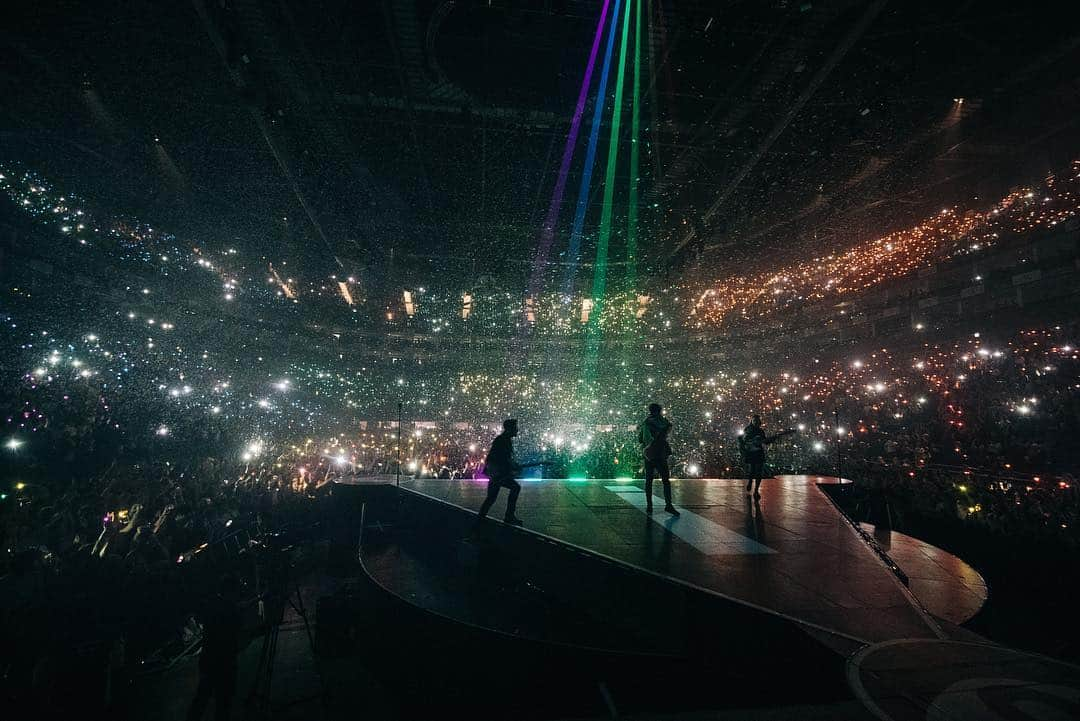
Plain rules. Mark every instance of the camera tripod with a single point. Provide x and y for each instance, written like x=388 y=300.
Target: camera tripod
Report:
x=259 y=701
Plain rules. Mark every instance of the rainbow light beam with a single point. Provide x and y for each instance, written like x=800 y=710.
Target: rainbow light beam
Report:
x=590 y=155
x=630 y=278
x=630 y=282
x=547 y=232
x=599 y=289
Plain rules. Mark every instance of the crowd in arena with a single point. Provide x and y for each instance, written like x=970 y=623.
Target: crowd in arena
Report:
x=440 y=305
x=969 y=423
x=191 y=404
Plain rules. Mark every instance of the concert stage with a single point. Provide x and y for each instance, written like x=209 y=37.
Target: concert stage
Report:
x=720 y=603
x=790 y=553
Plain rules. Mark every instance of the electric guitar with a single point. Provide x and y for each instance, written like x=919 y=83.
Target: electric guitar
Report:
x=534 y=464
x=658 y=449
x=768 y=439
x=518 y=467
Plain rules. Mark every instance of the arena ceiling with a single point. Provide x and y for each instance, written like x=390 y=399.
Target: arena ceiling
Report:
x=395 y=133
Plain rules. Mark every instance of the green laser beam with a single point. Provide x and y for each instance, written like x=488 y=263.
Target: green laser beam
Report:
x=635 y=148
x=599 y=290
x=627 y=313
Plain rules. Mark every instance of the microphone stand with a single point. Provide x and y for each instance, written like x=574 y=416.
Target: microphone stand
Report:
x=398 y=480
x=836 y=425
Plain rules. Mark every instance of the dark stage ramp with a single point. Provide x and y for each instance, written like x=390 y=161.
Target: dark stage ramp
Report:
x=595 y=607
x=790 y=553
x=444 y=596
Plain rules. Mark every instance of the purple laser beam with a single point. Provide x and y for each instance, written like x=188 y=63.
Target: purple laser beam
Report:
x=547 y=232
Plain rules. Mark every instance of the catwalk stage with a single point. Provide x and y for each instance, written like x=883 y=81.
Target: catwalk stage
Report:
x=790 y=552
x=861 y=623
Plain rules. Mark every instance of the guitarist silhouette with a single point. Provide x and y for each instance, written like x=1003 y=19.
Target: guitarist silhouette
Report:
x=752 y=444
x=653 y=437
x=501 y=467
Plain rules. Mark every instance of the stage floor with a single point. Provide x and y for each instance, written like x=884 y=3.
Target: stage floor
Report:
x=945 y=585
x=791 y=552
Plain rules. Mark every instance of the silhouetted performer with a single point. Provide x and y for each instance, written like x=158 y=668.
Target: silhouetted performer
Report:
x=652 y=435
x=501 y=468
x=752 y=445
x=220 y=643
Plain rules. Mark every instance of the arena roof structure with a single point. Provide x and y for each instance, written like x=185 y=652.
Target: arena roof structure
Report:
x=364 y=135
